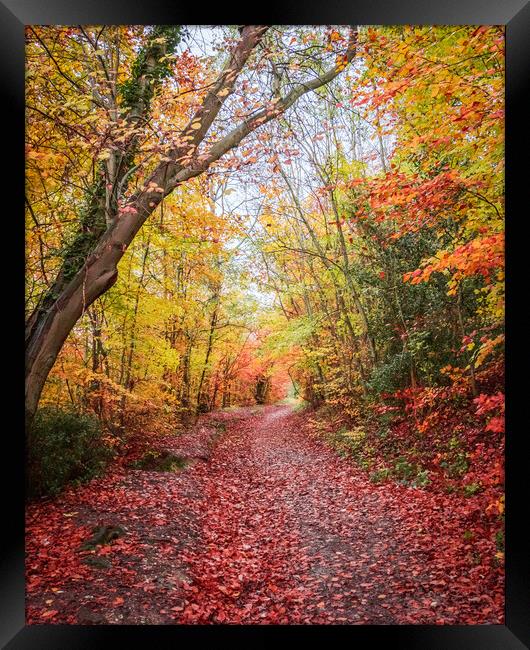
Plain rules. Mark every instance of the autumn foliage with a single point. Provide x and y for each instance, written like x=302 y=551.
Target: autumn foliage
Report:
x=347 y=254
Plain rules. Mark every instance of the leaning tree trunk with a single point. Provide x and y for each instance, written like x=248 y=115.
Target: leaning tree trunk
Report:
x=46 y=340
x=100 y=271
x=71 y=293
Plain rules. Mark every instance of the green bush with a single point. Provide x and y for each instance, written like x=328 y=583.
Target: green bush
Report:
x=499 y=540
x=404 y=470
x=63 y=446
x=458 y=467
x=384 y=433
x=392 y=375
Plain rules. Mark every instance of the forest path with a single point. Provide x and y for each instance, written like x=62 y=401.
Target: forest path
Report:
x=286 y=536
x=293 y=533
x=275 y=527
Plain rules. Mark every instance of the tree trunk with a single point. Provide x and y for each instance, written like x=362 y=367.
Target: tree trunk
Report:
x=202 y=401
x=64 y=302
x=46 y=340
x=261 y=392
x=185 y=388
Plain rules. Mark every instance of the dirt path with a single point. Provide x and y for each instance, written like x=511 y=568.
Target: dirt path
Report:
x=274 y=528
x=292 y=533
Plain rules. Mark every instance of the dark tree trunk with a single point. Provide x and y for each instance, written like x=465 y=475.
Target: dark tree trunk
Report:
x=261 y=392
x=202 y=400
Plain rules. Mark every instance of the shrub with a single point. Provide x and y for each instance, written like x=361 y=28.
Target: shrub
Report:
x=63 y=446
x=458 y=467
x=301 y=405
x=499 y=540
x=353 y=439
x=392 y=375
x=403 y=470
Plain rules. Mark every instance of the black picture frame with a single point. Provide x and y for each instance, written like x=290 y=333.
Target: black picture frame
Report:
x=515 y=15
